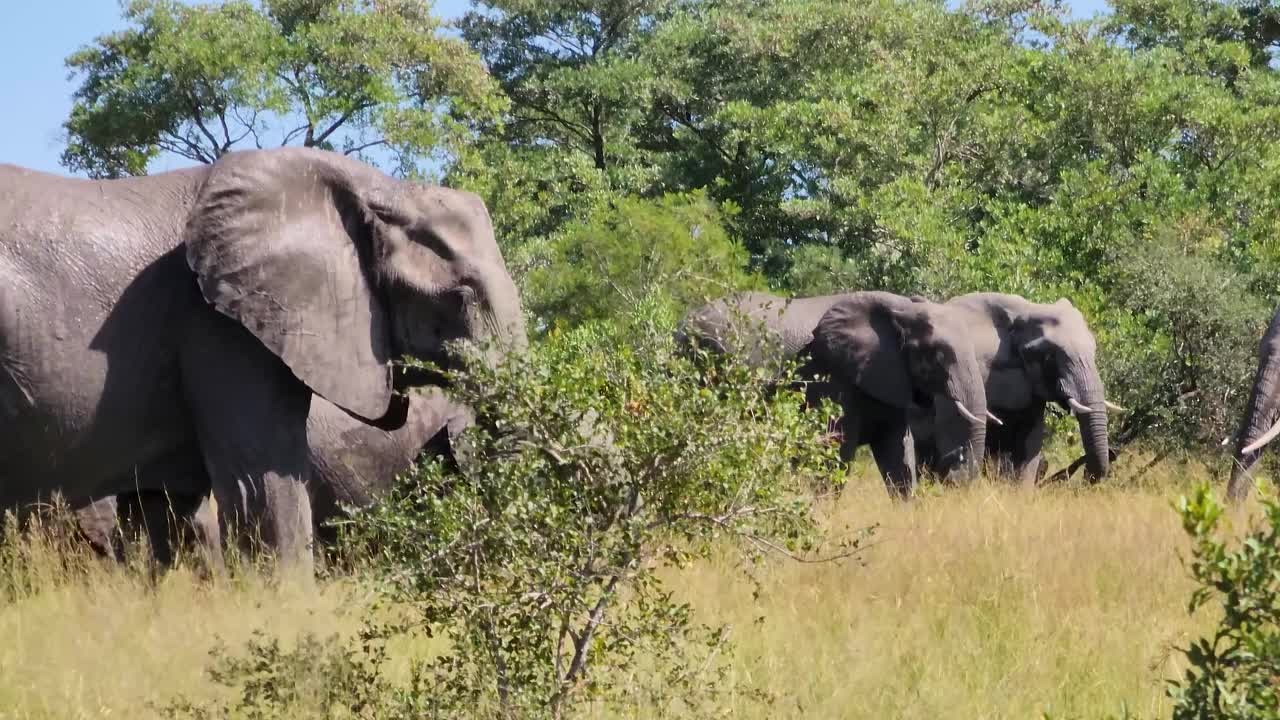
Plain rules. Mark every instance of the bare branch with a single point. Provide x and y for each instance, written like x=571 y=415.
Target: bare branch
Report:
x=289 y=136
x=199 y=123
x=365 y=146
x=340 y=121
x=723 y=522
x=226 y=134
x=187 y=148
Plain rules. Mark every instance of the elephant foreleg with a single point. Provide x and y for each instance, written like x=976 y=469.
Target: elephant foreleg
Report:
x=1028 y=455
x=250 y=417
x=894 y=451
x=850 y=424
x=97 y=522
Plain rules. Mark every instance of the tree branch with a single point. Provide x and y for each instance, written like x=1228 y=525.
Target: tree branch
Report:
x=365 y=146
x=180 y=145
x=226 y=133
x=339 y=122
x=199 y=123
x=294 y=133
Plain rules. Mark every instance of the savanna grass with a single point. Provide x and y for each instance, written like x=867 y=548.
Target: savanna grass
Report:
x=978 y=602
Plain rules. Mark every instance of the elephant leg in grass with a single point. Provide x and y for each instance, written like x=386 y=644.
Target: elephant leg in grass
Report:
x=867 y=421
x=251 y=423
x=895 y=455
x=170 y=520
x=1018 y=446
x=174 y=524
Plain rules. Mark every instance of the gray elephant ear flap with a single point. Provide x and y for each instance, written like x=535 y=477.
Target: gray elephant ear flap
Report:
x=912 y=323
x=281 y=242
x=862 y=345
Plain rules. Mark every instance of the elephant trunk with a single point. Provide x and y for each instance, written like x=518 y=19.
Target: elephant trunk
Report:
x=502 y=322
x=969 y=395
x=1087 y=400
x=1262 y=412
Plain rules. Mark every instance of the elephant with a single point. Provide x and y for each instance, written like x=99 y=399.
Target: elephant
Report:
x=197 y=312
x=887 y=355
x=1261 y=421
x=352 y=463
x=764 y=330
x=1031 y=354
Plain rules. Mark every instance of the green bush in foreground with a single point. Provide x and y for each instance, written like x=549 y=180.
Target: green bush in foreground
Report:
x=1235 y=673
x=598 y=458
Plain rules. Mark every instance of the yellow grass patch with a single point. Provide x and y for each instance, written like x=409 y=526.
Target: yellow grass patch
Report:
x=985 y=602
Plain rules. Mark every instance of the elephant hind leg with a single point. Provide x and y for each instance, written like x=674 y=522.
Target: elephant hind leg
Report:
x=174 y=524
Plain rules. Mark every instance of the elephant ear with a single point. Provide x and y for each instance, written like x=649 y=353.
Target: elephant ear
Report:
x=280 y=241
x=865 y=344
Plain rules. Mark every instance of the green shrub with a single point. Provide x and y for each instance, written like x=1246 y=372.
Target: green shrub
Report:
x=1235 y=672
x=599 y=457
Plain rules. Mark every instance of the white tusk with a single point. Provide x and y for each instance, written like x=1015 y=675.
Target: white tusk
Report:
x=1113 y=407
x=1267 y=437
x=968 y=415
x=994 y=419
x=1079 y=407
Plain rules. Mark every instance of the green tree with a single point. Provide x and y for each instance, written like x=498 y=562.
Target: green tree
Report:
x=628 y=249
x=571 y=72
x=198 y=80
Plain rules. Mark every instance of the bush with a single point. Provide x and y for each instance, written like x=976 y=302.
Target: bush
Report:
x=598 y=458
x=1234 y=673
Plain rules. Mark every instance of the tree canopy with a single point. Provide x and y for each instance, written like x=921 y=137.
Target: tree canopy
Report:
x=198 y=80
x=1130 y=163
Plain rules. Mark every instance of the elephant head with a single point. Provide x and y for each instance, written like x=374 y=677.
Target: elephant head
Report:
x=1057 y=352
x=339 y=269
x=908 y=353
x=1261 y=422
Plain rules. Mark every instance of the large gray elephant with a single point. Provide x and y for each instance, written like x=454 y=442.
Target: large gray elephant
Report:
x=764 y=330
x=1032 y=354
x=1261 y=422
x=767 y=329
x=352 y=464
x=887 y=355
x=196 y=313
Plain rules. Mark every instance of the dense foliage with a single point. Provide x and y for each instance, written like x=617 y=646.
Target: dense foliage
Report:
x=1130 y=163
x=1232 y=672
x=374 y=79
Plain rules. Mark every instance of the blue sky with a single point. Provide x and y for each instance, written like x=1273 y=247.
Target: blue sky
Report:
x=34 y=91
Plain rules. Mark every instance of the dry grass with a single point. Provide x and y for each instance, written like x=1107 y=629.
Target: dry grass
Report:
x=979 y=603
x=987 y=602
x=89 y=639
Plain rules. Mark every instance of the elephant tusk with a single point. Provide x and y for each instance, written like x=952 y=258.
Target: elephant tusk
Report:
x=1267 y=437
x=1113 y=407
x=1079 y=407
x=994 y=419
x=968 y=415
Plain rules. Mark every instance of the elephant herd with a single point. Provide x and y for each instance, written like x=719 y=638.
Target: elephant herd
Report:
x=927 y=385
x=207 y=354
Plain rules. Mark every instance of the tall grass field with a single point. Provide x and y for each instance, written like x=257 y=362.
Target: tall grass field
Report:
x=982 y=602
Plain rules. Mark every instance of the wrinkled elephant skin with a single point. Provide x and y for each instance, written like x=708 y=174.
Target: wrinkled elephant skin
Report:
x=204 y=309
x=1031 y=355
